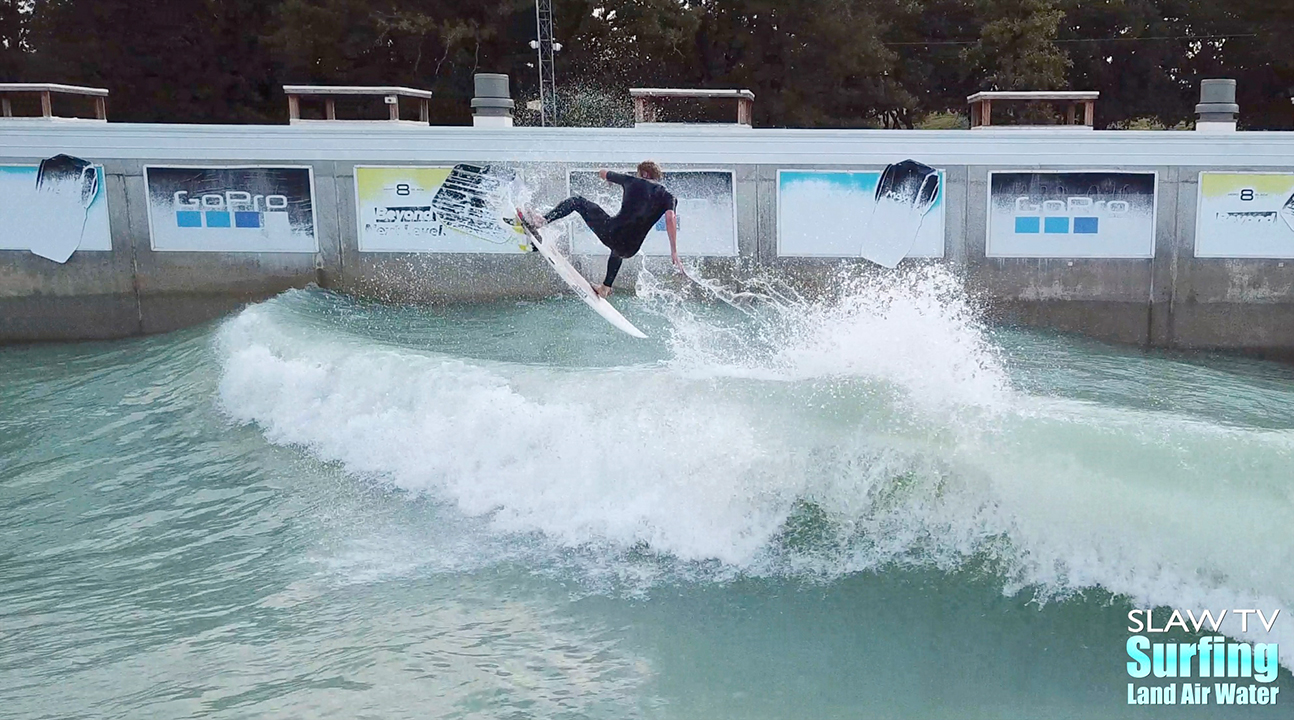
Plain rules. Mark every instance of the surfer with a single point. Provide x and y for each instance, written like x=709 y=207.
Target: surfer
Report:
x=644 y=201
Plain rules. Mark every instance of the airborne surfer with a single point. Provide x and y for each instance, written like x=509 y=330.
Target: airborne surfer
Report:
x=645 y=201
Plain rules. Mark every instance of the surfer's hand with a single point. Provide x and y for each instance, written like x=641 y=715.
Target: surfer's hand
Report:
x=678 y=264
x=602 y=174
x=602 y=290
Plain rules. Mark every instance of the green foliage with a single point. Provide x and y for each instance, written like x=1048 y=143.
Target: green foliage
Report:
x=436 y=45
x=944 y=121
x=197 y=61
x=1016 y=48
x=583 y=105
x=13 y=31
x=615 y=45
x=1149 y=123
x=811 y=63
x=928 y=66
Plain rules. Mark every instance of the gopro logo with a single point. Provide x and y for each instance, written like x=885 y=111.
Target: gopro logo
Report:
x=231 y=209
x=1074 y=216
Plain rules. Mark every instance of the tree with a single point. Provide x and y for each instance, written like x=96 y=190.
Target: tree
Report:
x=13 y=40
x=200 y=61
x=926 y=38
x=609 y=47
x=1016 y=48
x=1251 y=45
x=430 y=44
x=1127 y=50
x=812 y=62
x=1150 y=56
x=627 y=43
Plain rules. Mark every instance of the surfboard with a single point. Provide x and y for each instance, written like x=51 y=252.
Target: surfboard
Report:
x=572 y=277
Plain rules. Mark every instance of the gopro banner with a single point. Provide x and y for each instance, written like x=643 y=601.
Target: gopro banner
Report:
x=1071 y=214
x=462 y=209
x=881 y=215
x=707 y=219
x=54 y=209
x=231 y=209
x=1245 y=215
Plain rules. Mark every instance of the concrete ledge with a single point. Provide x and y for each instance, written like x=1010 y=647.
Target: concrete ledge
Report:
x=64 y=318
x=223 y=273
x=1170 y=300
x=85 y=273
x=1253 y=328
x=421 y=277
x=1119 y=322
x=1044 y=279
x=175 y=311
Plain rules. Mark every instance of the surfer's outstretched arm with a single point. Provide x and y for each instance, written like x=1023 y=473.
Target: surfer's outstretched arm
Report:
x=614 y=177
x=671 y=228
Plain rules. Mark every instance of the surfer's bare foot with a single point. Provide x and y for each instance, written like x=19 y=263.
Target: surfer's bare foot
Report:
x=602 y=290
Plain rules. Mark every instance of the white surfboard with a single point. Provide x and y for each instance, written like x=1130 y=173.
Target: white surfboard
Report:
x=567 y=272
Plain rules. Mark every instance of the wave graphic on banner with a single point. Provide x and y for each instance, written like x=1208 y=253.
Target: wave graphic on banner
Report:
x=1287 y=212
x=65 y=188
x=905 y=193
x=475 y=199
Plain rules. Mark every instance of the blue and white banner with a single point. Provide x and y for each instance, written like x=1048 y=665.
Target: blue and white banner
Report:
x=707 y=220
x=1071 y=214
x=55 y=212
x=841 y=214
x=231 y=209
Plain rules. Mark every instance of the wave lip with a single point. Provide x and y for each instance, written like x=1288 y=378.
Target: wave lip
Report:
x=915 y=329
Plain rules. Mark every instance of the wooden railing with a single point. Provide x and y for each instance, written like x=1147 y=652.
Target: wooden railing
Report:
x=46 y=92
x=646 y=110
x=329 y=93
x=981 y=104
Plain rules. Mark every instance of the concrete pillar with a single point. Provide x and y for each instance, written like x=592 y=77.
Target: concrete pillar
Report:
x=492 y=106
x=1217 y=110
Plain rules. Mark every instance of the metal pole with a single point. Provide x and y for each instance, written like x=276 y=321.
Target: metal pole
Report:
x=547 y=82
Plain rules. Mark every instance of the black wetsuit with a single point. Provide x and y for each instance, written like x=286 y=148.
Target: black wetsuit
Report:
x=643 y=204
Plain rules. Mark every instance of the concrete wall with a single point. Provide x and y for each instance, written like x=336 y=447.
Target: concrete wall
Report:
x=1170 y=300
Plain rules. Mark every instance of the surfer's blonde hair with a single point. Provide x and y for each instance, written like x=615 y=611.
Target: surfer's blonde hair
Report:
x=650 y=170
